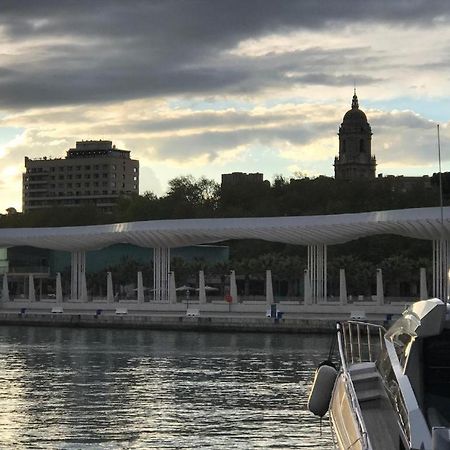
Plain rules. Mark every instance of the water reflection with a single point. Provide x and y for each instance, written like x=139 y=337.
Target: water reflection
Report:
x=114 y=389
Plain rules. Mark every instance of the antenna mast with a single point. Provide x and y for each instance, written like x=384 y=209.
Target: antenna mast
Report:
x=440 y=177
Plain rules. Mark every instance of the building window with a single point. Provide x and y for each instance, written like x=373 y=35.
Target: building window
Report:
x=361 y=146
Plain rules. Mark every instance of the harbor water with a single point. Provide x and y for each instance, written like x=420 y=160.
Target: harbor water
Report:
x=63 y=388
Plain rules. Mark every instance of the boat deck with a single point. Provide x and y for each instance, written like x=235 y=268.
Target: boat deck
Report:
x=377 y=411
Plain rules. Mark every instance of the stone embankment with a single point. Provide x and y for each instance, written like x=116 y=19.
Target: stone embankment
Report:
x=160 y=322
x=243 y=317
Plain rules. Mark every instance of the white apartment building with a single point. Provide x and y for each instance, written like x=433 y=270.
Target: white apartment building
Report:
x=94 y=172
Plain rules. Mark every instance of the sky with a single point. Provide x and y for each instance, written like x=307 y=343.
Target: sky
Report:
x=206 y=87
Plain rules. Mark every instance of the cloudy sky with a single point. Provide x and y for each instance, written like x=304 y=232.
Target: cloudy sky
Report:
x=205 y=87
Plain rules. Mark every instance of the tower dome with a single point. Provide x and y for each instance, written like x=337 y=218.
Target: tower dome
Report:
x=355 y=115
x=355 y=141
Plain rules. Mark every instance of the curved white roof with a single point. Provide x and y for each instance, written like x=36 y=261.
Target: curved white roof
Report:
x=422 y=223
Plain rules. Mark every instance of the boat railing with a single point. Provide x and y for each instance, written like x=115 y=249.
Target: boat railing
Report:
x=363 y=342
x=348 y=351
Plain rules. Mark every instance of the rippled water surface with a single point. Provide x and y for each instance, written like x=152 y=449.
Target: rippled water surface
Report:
x=117 y=389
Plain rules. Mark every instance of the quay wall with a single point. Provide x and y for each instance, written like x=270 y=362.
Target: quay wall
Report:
x=170 y=323
x=251 y=316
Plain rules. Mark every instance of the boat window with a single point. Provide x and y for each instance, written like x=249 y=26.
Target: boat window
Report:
x=437 y=379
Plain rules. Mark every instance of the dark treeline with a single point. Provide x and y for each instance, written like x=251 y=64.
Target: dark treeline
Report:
x=188 y=197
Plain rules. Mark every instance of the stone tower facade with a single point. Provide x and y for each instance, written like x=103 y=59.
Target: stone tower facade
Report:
x=355 y=160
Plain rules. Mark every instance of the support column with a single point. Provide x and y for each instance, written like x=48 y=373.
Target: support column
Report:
x=307 y=288
x=78 y=275
x=58 y=288
x=342 y=287
x=317 y=269
x=423 y=284
x=31 y=290
x=233 y=287
x=440 y=269
x=201 y=287
x=380 y=290
x=140 y=288
x=5 y=290
x=269 y=288
x=172 y=288
x=161 y=270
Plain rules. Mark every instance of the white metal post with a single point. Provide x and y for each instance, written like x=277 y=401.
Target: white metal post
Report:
x=317 y=269
x=440 y=269
x=78 y=272
x=161 y=270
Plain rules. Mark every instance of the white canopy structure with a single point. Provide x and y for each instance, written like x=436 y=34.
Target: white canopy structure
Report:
x=314 y=231
x=422 y=223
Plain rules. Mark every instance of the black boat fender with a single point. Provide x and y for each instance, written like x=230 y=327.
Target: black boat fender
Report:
x=322 y=388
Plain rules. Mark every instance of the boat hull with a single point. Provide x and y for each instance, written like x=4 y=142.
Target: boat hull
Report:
x=345 y=424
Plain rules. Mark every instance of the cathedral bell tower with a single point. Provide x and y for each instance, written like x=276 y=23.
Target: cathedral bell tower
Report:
x=355 y=160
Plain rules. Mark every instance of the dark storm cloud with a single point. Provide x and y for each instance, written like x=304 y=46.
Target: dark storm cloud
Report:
x=401 y=119
x=201 y=120
x=213 y=142
x=111 y=50
x=334 y=80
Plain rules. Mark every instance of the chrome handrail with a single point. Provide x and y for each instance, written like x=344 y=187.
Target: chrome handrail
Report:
x=350 y=388
x=357 y=354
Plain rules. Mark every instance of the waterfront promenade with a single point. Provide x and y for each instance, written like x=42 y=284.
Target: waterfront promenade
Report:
x=314 y=310
x=291 y=317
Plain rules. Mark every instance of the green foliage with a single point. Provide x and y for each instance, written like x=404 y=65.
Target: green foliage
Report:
x=188 y=197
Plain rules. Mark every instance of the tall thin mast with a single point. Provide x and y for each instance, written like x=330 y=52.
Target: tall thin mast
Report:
x=440 y=177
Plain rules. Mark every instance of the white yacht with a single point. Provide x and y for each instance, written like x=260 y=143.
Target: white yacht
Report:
x=392 y=388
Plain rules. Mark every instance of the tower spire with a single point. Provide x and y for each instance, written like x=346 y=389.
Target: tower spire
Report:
x=355 y=104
